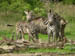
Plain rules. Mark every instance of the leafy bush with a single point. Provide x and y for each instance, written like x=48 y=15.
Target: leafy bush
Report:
x=69 y=1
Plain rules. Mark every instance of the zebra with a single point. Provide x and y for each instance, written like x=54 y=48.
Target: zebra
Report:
x=53 y=27
x=21 y=27
x=63 y=24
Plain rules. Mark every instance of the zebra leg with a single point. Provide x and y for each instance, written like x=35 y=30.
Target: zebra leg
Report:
x=62 y=32
x=37 y=38
x=49 y=34
x=20 y=33
x=57 y=35
x=23 y=36
x=60 y=36
x=31 y=37
x=54 y=36
x=17 y=35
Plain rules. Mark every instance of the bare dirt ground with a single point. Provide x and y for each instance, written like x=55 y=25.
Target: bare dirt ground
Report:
x=37 y=54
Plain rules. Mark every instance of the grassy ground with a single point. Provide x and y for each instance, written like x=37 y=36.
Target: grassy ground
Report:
x=67 y=11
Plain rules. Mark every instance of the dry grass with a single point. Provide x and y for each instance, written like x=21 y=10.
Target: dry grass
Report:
x=38 y=54
x=65 y=10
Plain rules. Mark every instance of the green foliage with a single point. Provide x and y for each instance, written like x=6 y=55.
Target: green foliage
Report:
x=40 y=11
x=4 y=5
x=36 y=5
x=21 y=5
x=25 y=4
x=69 y=1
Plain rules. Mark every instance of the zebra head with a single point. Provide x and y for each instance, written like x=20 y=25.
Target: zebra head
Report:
x=28 y=15
x=50 y=17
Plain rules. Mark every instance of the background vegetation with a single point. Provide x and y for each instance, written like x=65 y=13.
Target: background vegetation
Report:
x=12 y=11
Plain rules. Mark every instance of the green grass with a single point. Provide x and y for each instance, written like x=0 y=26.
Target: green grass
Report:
x=67 y=49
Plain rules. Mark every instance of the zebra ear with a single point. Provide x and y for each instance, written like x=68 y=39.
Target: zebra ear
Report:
x=26 y=12
x=31 y=12
x=50 y=10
